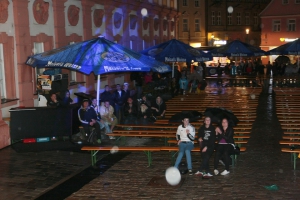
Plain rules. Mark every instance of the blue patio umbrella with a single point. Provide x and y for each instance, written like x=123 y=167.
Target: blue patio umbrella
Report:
x=237 y=48
x=97 y=55
x=290 y=48
x=176 y=51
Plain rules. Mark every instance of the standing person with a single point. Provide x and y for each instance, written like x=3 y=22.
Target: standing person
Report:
x=225 y=141
x=183 y=84
x=185 y=139
x=119 y=101
x=159 y=107
x=126 y=90
x=206 y=138
x=88 y=118
x=106 y=95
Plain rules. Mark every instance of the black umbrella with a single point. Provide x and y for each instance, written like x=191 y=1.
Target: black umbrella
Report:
x=217 y=114
x=192 y=115
x=283 y=59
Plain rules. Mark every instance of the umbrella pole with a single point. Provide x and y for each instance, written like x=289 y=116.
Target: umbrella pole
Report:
x=98 y=90
x=173 y=69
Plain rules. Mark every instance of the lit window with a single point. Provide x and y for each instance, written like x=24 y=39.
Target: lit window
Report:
x=247 y=20
x=213 y=18
x=291 y=25
x=238 y=18
x=196 y=3
x=219 y=18
x=2 y=74
x=185 y=26
x=197 y=25
x=229 y=17
x=276 y=25
x=38 y=48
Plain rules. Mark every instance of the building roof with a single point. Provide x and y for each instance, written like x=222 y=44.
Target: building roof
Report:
x=276 y=8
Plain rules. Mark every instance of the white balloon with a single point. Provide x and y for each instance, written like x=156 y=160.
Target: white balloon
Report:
x=114 y=149
x=230 y=9
x=144 y=12
x=173 y=176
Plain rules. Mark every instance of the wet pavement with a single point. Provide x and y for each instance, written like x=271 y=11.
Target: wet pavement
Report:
x=33 y=174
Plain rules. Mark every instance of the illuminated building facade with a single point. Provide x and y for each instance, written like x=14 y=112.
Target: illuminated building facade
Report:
x=34 y=26
x=279 y=25
x=228 y=20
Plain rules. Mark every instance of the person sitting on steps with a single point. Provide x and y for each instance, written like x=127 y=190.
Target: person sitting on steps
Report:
x=88 y=118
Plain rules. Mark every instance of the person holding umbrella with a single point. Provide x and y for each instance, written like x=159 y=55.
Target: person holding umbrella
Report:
x=185 y=139
x=206 y=138
x=225 y=146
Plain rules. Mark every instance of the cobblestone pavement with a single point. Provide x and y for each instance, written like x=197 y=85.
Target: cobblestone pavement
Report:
x=261 y=165
x=28 y=175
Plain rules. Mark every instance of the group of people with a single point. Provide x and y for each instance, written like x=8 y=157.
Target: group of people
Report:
x=118 y=107
x=56 y=101
x=207 y=136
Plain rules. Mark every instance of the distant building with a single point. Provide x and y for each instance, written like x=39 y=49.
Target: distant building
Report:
x=280 y=24
x=192 y=29
x=228 y=20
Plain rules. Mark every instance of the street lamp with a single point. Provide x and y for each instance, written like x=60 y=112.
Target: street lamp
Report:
x=247 y=33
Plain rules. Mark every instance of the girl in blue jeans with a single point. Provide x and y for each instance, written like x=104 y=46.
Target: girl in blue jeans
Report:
x=185 y=140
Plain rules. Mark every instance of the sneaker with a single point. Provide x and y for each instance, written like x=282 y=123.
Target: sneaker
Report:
x=198 y=173
x=216 y=172
x=190 y=172
x=112 y=137
x=207 y=175
x=225 y=172
x=222 y=163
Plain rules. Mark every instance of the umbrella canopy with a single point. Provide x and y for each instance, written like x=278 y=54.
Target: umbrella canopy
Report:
x=237 y=48
x=176 y=51
x=217 y=114
x=97 y=55
x=192 y=115
x=290 y=48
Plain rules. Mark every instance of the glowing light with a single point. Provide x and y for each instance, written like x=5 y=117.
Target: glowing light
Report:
x=230 y=9
x=144 y=12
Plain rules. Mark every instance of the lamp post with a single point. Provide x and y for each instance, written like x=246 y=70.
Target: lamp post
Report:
x=247 y=33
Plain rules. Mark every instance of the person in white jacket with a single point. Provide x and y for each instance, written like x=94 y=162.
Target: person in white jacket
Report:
x=185 y=139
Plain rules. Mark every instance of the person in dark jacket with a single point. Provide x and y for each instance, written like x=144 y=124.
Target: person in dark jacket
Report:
x=159 y=107
x=145 y=114
x=106 y=96
x=119 y=101
x=206 y=138
x=88 y=118
x=66 y=101
x=53 y=102
x=225 y=145
x=130 y=112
